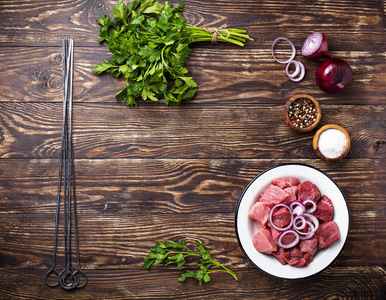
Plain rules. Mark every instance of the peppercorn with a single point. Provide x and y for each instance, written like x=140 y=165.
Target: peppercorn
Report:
x=302 y=112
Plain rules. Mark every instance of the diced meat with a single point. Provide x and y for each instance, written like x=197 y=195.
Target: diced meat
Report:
x=281 y=217
x=260 y=213
x=263 y=241
x=328 y=233
x=293 y=256
x=305 y=260
x=292 y=192
x=273 y=195
x=324 y=209
x=275 y=234
x=309 y=246
x=308 y=190
x=279 y=257
x=285 y=182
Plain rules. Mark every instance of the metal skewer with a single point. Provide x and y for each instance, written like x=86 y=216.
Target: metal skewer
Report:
x=68 y=278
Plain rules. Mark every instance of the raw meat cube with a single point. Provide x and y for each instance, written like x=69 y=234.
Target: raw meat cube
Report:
x=305 y=260
x=324 y=209
x=292 y=192
x=263 y=241
x=308 y=190
x=293 y=255
x=285 y=182
x=310 y=245
x=279 y=257
x=273 y=195
x=328 y=233
x=260 y=213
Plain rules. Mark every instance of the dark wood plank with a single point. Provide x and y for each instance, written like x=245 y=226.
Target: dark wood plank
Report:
x=127 y=186
x=33 y=130
x=226 y=77
x=109 y=240
x=35 y=23
x=338 y=282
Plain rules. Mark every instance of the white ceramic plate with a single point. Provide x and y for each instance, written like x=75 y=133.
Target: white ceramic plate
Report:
x=246 y=227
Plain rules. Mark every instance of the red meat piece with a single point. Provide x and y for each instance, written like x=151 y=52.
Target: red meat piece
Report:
x=292 y=192
x=328 y=233
x=305 y=260
x=260 y=213
x=324 y=209
x=273 y=195
x=309 y=246
x=292 y=256
x=308 y=190
x=281 y=217
x=275 y=234
x=285 y=182
x=279 y=257
x=263 y=241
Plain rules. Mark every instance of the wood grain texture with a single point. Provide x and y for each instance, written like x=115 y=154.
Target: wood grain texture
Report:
x=156 y=173
x=219 y=70
x=33 y=130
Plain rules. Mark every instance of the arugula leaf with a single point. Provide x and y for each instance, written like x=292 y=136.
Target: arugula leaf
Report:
x=173 y=252
x=149 y=42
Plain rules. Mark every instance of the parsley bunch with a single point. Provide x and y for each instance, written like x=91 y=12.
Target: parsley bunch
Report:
x=173 y=252
x=149 y=42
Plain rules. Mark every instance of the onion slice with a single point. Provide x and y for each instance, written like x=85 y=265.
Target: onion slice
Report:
x=315 y=46
x=292 y=46
x=298 y=66
x=293 y=243
x=311 y=209
x=271 y=221
x=298 y=208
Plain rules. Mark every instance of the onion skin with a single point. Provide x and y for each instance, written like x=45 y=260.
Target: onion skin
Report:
x=333 y=75
x=321 y=51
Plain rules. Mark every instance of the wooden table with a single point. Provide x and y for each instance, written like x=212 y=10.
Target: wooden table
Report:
x=157 y=173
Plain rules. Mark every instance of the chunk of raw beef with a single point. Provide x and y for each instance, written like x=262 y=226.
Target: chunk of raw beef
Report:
x=273 y=195
x=308 y=190
x=310 y=245
x=328 y=233
x=324 y=209
x=263 y=241
x=292 y=192
x=260 y=213
x=285 y=182
x=279 y=257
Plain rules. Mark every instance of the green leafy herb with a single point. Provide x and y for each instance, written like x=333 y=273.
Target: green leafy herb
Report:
x=149 y=42
x=172 y=252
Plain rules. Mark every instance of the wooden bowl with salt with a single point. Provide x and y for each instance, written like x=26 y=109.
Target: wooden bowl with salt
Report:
x=331 y=142
x=302 y=113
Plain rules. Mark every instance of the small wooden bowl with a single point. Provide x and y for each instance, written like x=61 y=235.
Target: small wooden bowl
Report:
x=315 y=142
x=286 y=111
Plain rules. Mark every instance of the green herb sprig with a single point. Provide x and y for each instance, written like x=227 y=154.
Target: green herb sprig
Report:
x=149 y=42
x=172 y=252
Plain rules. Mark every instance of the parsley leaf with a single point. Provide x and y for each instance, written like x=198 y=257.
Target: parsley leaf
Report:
x=172 y=252
x=149 y=42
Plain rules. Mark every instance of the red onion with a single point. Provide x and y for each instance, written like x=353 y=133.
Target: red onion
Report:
x=299 y=67
x=313 y=205
x=291 y=244
x=315 y=46
x=271 y=221
x=333 y=75
x=298 y=208
x=292 y=46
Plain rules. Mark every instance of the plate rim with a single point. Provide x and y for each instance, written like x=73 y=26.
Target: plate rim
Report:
x=238 y=207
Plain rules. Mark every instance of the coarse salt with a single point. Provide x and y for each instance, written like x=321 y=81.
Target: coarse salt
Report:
x=332 y=143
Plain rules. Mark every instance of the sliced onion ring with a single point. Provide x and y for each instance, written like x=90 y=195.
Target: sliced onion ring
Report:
x=271 y=213
x=296 y=72
x=292 y=46
x=299 y=65
x=313 y=208
x=297 y=207
x=298 y=226
x=293 y=243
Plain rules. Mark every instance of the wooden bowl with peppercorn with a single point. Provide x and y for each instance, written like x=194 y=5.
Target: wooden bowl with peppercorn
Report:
x=302 y=112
